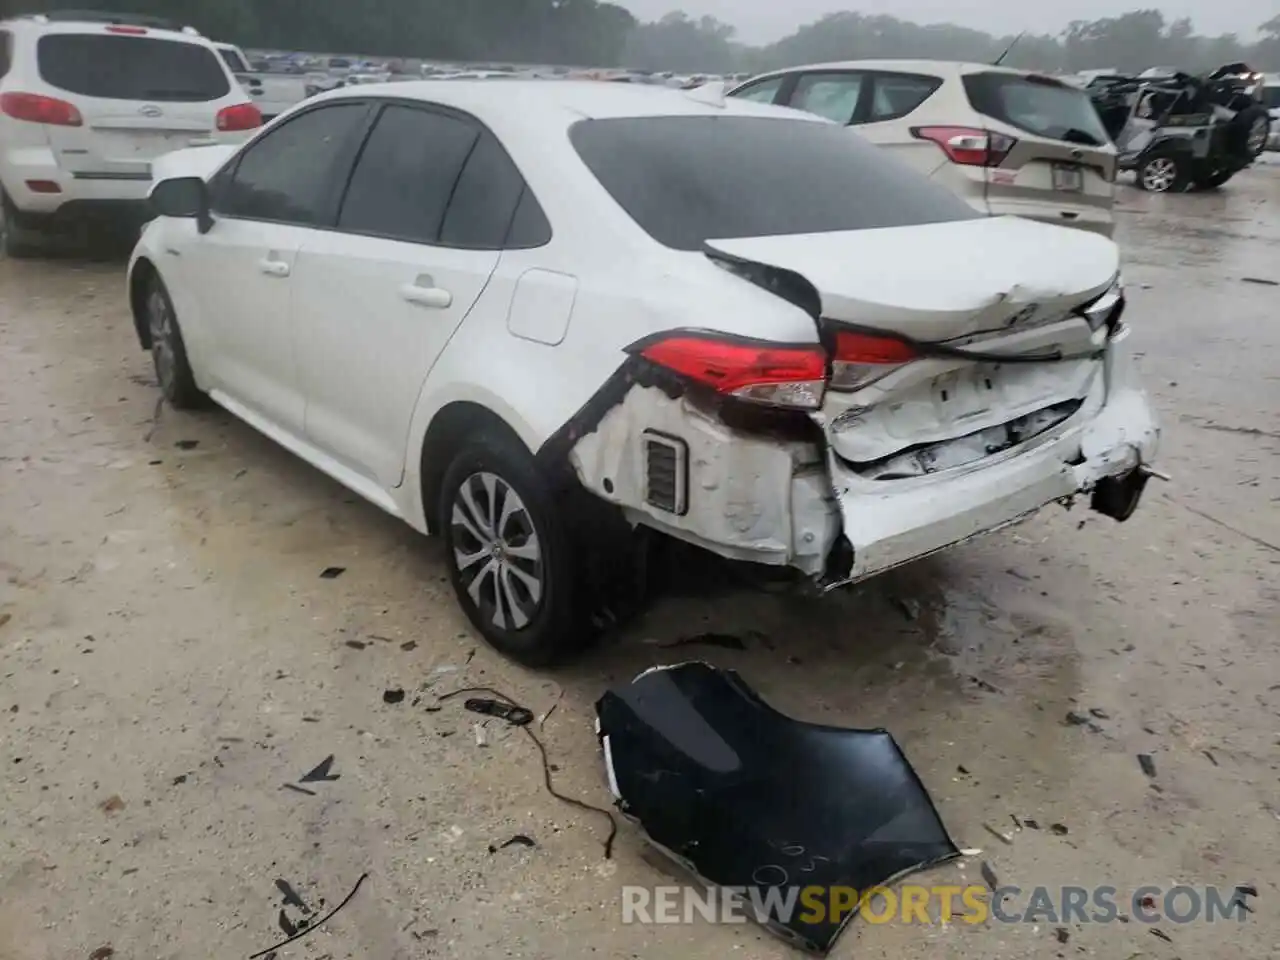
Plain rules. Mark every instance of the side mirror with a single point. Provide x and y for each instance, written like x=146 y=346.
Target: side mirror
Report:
x=185 y=197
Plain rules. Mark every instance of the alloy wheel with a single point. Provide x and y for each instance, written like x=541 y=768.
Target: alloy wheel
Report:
x=497 y=551
x=1159 y=174
x=160 y=322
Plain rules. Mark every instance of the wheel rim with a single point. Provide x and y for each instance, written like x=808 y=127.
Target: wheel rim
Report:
x=1159 y=174
x=497 y=551
x=160 y=320
x=1258 y=136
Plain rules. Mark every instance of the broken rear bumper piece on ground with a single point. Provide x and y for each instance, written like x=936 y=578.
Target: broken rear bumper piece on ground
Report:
x=743 y=796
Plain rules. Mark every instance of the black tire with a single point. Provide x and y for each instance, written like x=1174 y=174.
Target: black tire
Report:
x=18 y=241
x=169 y=351
x=1214 y=181
x=535 y=627
x=1163 y=171
x=1246 y=134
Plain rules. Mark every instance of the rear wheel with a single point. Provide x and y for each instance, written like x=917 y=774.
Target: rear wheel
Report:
x=507 y=549
x=18 y=240
x=1247 y=132
x=169 y=351
x=1163 y=172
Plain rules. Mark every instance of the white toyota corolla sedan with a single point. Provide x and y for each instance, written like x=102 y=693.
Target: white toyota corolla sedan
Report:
x=548 y=321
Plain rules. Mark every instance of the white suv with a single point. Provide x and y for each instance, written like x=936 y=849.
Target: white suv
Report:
x=86 y=105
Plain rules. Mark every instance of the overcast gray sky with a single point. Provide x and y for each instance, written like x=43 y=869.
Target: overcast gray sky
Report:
x=760 y=21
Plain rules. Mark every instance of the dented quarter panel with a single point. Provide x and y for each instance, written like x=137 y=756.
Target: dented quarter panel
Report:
x=749 y=498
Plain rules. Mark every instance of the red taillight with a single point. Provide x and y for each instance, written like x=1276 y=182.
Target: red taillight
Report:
x=767 y=373
x=131 y=31
x=968 y=146
x=863 y=358
x=35 y=108
x=240 y=116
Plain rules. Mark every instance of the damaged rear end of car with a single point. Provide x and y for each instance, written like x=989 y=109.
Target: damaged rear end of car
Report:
x=963 y=373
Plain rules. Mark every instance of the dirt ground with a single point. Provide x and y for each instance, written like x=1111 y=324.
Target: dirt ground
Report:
x=170 y=658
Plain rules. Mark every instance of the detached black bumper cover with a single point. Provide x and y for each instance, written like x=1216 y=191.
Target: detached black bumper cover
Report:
x=745 y=797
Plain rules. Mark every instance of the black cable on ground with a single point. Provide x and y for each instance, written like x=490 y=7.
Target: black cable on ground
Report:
x=546 y=765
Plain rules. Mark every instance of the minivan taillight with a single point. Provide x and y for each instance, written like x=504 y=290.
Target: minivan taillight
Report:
x=240 y=116
x=863 y=358
x=35 y=108
x=757 y=371
x=968 y=146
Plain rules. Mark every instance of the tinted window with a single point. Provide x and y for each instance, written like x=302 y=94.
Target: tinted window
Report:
x=1038 y=105
x=406 y=174
x=895 y=95
x=762 y=92
x=529 y=226
x=233 y=60
x=123 y=67
x=484 y=200
x=830 y=95
x=1270 y=96
x=288 y=174
x=689 y=179
x=6 y=56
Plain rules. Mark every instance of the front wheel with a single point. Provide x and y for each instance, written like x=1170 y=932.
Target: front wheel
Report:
x=1162 y=173
x=18 y=241
x=508 y=553
x=169 y=351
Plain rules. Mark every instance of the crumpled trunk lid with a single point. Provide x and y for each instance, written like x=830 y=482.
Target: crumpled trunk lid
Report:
x=999 y=286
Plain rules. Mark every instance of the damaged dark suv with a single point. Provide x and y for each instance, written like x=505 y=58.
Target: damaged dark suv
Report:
x=1181 y=132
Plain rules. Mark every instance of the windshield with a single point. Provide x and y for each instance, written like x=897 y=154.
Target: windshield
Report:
x=689 y=179
x=131 y=68
x=1038 y=105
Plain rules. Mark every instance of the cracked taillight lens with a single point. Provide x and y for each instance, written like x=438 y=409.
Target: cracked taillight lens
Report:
x=776 y=375
x=863 y=358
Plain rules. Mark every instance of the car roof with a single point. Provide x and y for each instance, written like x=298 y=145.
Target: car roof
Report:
x=952 y=67
x=34 y=24
x=519 y=102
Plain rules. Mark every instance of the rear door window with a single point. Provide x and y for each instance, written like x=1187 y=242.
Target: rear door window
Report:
x=484 y=199
x=895 y=95
x=831 y=95
x=121 y=67
x=290 y=174
x=689 y=179
x=1038 y=105
x=406 y=174
x=232 y=59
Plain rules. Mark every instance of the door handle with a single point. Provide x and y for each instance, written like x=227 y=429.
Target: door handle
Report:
x=425 y=293
x=273 y=268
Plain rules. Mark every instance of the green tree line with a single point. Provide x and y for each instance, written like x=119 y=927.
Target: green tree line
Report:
x=594 y=33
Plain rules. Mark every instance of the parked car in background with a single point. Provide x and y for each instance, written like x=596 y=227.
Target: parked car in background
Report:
x=563 y=324
x=1184 y=132
x=1271 y=100
x=87 y=102
x=1006 y=141
x=272 y=92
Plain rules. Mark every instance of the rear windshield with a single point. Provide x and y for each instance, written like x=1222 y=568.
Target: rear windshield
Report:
x=120 y=67
x=1038 y=105
x=686 y=180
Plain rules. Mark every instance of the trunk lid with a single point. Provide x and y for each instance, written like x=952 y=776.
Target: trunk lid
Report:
x=1003 y=286
x=943 y=281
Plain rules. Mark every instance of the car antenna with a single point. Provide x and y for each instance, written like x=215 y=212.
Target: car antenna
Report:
x=1012 y=43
